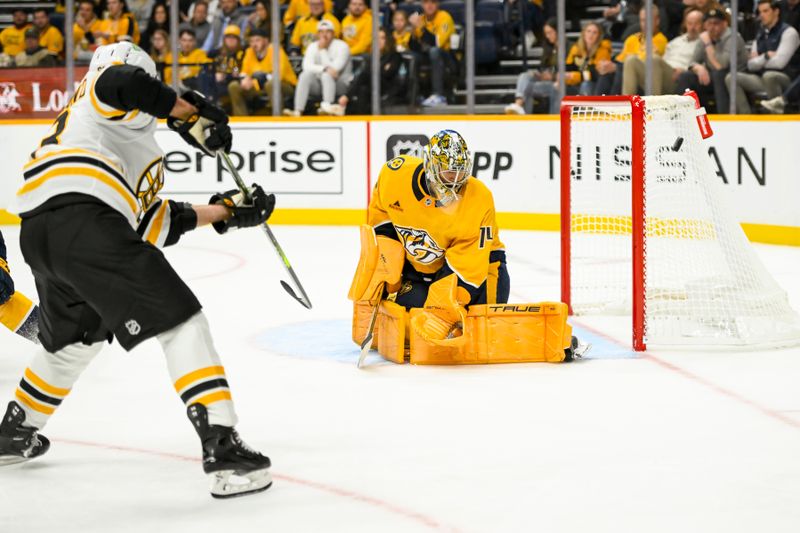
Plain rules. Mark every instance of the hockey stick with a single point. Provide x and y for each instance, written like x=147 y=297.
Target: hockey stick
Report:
x=367 y=342
x=303 y=299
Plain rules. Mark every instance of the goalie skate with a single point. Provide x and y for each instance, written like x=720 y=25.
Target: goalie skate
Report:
x=576 y=350
x=235 y=469
x=18 y=443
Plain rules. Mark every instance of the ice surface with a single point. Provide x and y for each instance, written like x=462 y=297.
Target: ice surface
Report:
x=669 y=441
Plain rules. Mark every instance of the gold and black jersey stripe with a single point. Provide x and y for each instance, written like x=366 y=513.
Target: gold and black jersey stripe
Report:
x=38 y=394
x=205 y=385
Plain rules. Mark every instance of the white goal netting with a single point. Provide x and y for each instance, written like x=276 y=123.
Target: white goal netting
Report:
x=703 y=283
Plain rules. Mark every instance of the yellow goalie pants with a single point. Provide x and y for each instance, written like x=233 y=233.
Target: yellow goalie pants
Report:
x=498 y=333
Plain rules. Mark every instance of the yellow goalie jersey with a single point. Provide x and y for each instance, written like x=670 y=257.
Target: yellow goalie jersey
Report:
x=461 y=235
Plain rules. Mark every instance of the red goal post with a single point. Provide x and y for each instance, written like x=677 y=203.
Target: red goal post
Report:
x=637 y=204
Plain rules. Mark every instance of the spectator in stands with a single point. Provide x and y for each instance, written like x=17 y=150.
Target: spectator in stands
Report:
x=326 y=70
x=228 y=59
x=260 y=19
x=158 y=20
x=34 y=55
x=790 y=13
x=634 y=50
x=529 y=15
x=194 y=60
x=12 y=38
x=229 y=15
x=49 y=36
x=711 y=61
x=790 y=96
x=305 y=29
x=774 y=58
x=432 y=31
x=620 y=16
x=401 y=31
x=256 y=82
x=358 y=100
x=540 y=83
x=301 y=8
x=198 y=22
x=675 y=61
x=584 y=55
x=83 y=31
x=159 y=50
x=141 y=10
x=357 y=28
x=118 y=23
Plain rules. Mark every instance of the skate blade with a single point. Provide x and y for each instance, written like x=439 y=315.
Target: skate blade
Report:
x=229 y=484
x=11 y=460
x=581 y=350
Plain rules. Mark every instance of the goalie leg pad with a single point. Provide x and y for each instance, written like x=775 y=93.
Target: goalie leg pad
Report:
x=393 y=322
x=362 y=314
x=511 y=333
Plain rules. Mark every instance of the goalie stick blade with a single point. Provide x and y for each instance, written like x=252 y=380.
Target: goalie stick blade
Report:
x=303 y=301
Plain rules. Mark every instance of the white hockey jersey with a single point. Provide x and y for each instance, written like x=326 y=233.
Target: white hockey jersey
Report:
x=97 y=150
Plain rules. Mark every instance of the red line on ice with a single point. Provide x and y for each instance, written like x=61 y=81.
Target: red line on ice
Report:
x=772 y=413
x=322 y=487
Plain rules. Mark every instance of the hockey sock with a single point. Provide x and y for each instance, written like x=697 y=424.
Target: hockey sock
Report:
x=49 y=378
x=196 y=369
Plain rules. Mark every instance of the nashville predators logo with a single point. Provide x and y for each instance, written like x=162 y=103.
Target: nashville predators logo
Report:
x=420 y=245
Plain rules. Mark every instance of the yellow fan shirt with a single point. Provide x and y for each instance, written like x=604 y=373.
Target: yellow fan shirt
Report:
x=442 y=26
x=192 y=58
x=13 y=39
x=635 y=46
x=124 y=25
x=52 y=40
x=252 y=64
x=78 y=34
x=305 y=30
x=357 y=32
x=300 y=8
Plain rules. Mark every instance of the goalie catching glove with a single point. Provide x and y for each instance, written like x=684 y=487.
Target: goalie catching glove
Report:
x=444 y=317
x=244 y=215
x=208 y=129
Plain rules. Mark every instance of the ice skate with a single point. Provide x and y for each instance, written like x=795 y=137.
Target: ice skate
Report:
x=576 y=350
x=19 y=443
x=234 y=468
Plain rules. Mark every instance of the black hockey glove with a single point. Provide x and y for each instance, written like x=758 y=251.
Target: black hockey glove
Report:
x=6 y=283
x=208 y=130
x=244 y=215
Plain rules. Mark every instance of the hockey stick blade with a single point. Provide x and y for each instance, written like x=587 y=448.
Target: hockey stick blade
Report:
x=303 y=299
x=289 y=289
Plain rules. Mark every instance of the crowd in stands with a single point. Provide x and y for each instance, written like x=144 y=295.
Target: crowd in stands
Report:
x=225 y=50
x=691 y=46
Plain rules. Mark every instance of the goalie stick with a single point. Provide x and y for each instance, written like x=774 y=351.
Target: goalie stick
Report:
x=303 y=299
x=367 y=342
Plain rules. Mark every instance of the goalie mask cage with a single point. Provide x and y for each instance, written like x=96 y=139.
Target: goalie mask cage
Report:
x=646 y=231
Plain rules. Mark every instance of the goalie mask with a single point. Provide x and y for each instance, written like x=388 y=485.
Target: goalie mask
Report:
x=448 y=164
x=123 y=53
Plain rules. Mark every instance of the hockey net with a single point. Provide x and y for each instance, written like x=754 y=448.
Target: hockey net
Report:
x=647 y=231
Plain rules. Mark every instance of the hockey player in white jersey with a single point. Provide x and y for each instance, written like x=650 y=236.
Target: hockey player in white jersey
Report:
x=91 y=224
